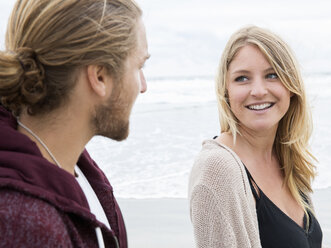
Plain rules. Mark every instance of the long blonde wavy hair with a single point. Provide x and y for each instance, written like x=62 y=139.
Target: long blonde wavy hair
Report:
x=291 y=143
x=48 y=41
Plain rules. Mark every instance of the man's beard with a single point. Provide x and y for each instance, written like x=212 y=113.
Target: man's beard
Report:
x=112 y=120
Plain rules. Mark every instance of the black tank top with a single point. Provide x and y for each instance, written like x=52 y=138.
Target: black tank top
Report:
x=277 y=230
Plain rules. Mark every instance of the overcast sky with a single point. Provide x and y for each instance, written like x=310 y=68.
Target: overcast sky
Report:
x=186 y=37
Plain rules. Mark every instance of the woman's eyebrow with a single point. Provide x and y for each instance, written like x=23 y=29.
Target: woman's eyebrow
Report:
x=240 y=72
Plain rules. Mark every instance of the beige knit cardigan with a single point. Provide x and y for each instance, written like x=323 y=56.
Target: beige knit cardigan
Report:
x=222 y=205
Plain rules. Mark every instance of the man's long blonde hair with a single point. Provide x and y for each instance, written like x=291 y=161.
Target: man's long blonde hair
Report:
x=47 y=41
x=291 y=143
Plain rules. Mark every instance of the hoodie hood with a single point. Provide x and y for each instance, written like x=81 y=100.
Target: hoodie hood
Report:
x=23 y=167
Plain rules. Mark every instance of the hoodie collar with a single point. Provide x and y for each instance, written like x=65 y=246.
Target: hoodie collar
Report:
x=23 y=168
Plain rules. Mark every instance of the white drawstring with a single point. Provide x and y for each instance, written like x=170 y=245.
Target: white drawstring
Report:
x=99 y=237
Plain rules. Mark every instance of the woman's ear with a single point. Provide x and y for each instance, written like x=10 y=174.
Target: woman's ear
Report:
x=99 y=80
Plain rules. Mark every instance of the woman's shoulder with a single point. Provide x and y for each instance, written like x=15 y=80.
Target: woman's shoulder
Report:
x=217 y=156
x=218 y=182
x=215 y=165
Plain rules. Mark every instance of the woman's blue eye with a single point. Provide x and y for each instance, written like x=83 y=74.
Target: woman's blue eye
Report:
x=241 y=79
x=272 y=76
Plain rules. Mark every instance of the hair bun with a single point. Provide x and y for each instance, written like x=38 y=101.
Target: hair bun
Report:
x=33 y=88
x=22 y=79
x=29 y=61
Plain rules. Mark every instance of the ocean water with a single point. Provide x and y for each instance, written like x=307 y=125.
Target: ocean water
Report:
x=178 y=112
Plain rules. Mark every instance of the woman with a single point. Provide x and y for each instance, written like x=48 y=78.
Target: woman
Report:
x=250 y=186
x=71 y=70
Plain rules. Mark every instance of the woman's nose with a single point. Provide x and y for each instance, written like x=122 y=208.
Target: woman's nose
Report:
x=259 y=88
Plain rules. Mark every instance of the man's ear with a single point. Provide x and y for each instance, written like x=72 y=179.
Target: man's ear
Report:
x=98 y=79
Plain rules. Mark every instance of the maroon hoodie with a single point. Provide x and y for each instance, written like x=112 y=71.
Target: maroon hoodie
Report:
x=42 y=205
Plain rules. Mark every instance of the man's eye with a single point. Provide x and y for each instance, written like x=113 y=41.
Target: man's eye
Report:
x=241 y=79
x=272 y=76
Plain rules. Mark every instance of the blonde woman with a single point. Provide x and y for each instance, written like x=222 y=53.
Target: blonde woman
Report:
x=250 y=186
x=71 y=70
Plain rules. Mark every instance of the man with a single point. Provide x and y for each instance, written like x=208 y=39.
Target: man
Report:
x=72 y=69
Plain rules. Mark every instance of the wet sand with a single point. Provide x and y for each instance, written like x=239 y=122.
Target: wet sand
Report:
x=164 y=223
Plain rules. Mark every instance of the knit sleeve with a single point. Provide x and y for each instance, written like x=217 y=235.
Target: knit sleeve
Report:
x=211 y=227
x=221 y=204
x=29 y=222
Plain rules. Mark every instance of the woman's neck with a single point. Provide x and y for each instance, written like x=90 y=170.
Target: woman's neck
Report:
x=248 y=143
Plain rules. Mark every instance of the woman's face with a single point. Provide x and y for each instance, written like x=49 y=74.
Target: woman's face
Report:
x=257 y=97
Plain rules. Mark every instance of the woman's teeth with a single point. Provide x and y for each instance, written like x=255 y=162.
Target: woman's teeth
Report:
x=260 y=106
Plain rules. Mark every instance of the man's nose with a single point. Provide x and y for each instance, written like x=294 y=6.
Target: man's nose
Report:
x=143 y=84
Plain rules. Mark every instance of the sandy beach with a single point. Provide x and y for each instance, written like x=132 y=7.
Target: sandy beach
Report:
x=157 y=223
x=164 y=223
